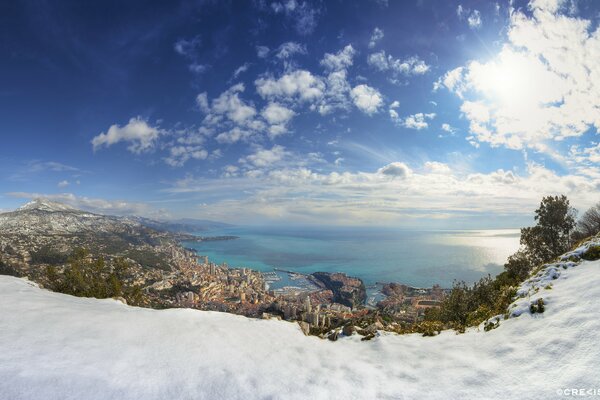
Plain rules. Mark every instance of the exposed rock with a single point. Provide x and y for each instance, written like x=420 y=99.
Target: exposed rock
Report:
x=334 y=335
x=346 y=290
x=305 y=327
x=348 y=330
x=121 y=299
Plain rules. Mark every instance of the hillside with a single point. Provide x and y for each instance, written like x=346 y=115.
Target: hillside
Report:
x=54 y=346
x=43 y=232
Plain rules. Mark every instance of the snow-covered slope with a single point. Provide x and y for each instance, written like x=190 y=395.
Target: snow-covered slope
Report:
x=54 y=346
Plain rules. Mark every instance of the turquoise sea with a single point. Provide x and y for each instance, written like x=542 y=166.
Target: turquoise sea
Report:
x=417 y=258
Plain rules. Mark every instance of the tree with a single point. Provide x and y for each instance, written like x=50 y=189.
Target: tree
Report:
x=589 y=224
x=552 y=235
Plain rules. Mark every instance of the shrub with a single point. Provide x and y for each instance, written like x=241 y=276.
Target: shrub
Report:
x=429 y=328
x=537 y=307
x=85 y=277
x=593 y=253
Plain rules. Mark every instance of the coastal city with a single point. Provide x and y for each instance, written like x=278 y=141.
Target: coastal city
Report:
x=319 y=302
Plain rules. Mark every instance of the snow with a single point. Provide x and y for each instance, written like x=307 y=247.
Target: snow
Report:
x=45 y=205
x=54 y=346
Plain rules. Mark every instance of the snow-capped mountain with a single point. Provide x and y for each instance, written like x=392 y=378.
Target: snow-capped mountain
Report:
x=50 y=218
x=46 y=232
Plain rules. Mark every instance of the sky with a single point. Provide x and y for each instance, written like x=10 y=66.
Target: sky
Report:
x=374 y=113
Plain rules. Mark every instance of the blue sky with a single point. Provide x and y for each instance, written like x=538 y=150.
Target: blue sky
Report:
x=396 y=113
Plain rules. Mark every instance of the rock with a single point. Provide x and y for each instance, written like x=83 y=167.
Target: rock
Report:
x=305 y=327
x=121 y=299
x=334 y=335
x=347 y=290
x=368 y=337
x=348 y=330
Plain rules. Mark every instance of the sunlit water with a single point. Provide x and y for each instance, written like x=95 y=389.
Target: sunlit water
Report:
x=418 y=258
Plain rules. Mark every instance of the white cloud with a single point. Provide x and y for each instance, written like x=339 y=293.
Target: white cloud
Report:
x=262 y=157
x=541 y=87
x=395 y=104
x=396 y=170
x=234 y=135
x=140 y=136
x=474 y=20
x=240 y=70
x=230 y=105
x=436 y=167
x=289 y=49
x=299 y=84
x=262 y=51
x=473 y=17
x=63 y=184
x=277 y=116
x=366 y=99
x=179 y=155
x=339 y=61
x=448 y=128
x=417 y=121
x=453 y=80
x=410 y=66
x=376 y=36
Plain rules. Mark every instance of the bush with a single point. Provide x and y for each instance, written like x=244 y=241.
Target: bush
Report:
x=85 y=277
x=592 y=254
x=429 y=328
x=537 y=307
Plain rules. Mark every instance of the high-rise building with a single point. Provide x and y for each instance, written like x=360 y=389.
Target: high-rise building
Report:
x=307 y=306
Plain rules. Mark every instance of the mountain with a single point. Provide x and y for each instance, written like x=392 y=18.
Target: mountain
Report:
x=43 y=232
x=57 y=346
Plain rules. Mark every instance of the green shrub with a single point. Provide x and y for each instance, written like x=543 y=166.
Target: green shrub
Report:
x=537 y=307
x=592 y=253
x=429 y=328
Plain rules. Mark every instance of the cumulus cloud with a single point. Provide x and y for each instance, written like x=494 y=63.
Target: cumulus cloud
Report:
x=234 y=135
x=140 y=136
x=416 y=121
x=376 y=36
x=299 y=84
x=230 y=105
x=366 y=99
x=395 y=169
x=277 y=116
x=63 y=184
x=407 y=67
x=448 y=128
x=541 y=87
x=339 y=61
x=265 y=157
x=178 y=155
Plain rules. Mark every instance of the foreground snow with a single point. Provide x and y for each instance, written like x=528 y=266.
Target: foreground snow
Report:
x=54 y=346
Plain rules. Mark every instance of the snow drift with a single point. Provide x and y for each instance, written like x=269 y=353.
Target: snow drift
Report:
x=54 y=346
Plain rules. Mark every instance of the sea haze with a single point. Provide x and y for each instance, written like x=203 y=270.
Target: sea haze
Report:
x=418 y=258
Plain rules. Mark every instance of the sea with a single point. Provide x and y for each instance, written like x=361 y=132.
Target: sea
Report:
x=415 y=258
